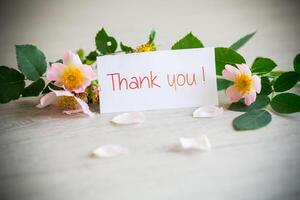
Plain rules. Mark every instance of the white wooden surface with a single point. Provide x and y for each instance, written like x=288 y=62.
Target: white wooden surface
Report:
x=45 y=155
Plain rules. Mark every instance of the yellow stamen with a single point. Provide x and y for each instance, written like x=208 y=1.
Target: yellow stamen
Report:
x=82 y=95
x=243 y=82
x=66 y=102
x=72 y=78
x=146 y=47
x=69 y=102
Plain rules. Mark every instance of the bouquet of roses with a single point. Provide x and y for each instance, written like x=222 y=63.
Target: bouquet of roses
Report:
x=72 y=85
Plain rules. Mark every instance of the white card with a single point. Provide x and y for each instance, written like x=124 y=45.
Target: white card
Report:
x=157 y=80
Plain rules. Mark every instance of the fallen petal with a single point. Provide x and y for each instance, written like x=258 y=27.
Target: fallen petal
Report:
x=108 y=151
x=69 y=112
x=208 y=111
x=129 y=118
x=200 y=144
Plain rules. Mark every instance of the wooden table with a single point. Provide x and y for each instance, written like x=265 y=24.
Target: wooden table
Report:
x=45 y=155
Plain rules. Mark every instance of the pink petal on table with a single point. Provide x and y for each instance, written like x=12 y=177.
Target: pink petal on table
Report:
x=108 y=151
x=129 y=118
x=47 y=99
x=208 y=111
x=84 y=106
x=200 y=144
x=70 y=112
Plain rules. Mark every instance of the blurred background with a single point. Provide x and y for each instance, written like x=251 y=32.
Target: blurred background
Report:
x=57 y=25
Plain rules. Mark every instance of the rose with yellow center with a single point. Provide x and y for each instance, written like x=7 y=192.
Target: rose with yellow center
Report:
x=70 y=103
x=72 y=78
x=245 y=84
x=71 y=75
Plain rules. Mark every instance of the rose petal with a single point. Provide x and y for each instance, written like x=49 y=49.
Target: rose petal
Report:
x=47 y=99
x=84 y=106
x=200 y=144
x=69 y=112
x=108 y=151
x=55 y=71
x=129 y=118
x=62 y=92
x=250 y=98
x=80 y=89
x=233 y=94
x=244 y=68
x=257 y=83
x=89 y=72
x=230 y=72
x=71 y=59
x=208 y=111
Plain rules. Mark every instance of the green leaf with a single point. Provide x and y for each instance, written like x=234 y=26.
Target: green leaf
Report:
x=223 y=83
x=286 y=81
x=105 y=44
x=238 y=44
x=297 y=63
x=188 y=42
x=152 y=36
x=263 y=65
x=225 y=56
x=261 y=102
x=31 y=61
x=126 y=49
x=286 y=103
x=34 y=89
x=11 y=84
x=251 y=120
x=81 y=54
x=266 y=87
x=52 y=86
x=91 y=58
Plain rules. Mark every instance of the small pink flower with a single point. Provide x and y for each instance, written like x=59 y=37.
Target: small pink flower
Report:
x=72 y=75
x=52 y=98
x=245 y=84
